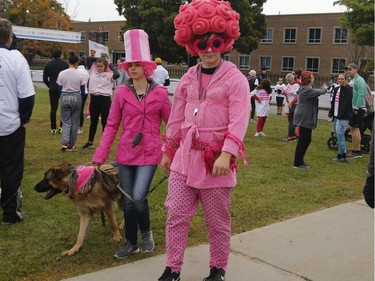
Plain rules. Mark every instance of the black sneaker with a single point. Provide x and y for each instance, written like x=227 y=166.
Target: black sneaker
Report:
x=168 y=275
x=19 y=218
x=126 y=250
x=354 y=154
x=88 y=145
x=302 y=167
x=216 y=274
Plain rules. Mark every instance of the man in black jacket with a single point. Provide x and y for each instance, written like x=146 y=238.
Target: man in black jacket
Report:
x=50 y=73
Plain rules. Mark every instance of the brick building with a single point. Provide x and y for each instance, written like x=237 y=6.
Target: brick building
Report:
x=311 y=41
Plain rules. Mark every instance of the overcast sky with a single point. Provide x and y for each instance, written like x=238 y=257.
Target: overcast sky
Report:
x=105 y=10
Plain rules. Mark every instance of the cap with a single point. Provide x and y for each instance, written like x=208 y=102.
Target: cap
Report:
x=351 y=66
x=263 y=67
x=158 y=60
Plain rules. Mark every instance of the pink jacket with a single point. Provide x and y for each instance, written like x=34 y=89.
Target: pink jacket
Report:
x=224 y=110
x=129 y=112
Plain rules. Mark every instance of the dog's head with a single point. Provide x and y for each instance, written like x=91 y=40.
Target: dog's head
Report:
x=55 y=180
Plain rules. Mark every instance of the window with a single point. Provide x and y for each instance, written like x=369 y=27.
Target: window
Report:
x=314 y=35
x=100 y=37
x=244 y=62
x=290 y=35
x=120 y=36
x=312 y=64
x=106 y=36
x=338 y=66
x=341 y=36
x=269 y=36
x=288 y=64
x=83 y=36
x=226 y=57
x=265 y=61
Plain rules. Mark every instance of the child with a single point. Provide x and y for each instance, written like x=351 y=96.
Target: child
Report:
x=280 y=86
x=262 y=94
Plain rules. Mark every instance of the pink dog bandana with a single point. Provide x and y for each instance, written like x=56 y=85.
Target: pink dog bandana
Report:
x=84 y=175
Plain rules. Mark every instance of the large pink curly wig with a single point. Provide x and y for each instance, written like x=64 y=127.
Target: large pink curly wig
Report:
x=206 y=16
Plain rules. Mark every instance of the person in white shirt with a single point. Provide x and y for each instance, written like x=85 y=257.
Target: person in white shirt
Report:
x=280 y=86
x=16 y=106
x=71 y=85
x=263 y=95
x=161 y=75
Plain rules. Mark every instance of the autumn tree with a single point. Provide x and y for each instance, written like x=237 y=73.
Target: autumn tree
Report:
x=156 y=18
x=48 y=14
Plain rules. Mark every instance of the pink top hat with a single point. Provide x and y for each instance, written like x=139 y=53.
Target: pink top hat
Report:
x=137 y=48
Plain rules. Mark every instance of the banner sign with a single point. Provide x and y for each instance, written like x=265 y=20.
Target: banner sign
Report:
x=96 y=49
x=47 y=34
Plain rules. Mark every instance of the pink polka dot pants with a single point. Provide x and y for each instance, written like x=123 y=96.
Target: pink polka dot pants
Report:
x=181 y=205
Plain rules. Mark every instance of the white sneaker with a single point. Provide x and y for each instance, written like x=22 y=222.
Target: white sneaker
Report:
x=80 y=131
x=257 y=134
x=261 y=134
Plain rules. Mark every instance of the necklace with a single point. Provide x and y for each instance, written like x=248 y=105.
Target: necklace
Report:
x=142 y=95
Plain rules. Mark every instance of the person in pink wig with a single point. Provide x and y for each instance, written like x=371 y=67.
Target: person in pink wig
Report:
x=204 y=134
x=139 y=106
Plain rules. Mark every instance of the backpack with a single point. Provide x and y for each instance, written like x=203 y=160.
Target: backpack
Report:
x=369 y=98
x=251 y=83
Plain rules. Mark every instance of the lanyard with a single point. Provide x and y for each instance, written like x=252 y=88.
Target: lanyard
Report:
x=203 y=91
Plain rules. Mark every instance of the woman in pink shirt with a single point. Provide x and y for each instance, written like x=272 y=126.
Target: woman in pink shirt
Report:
x=139 y=106
x=209 y=119
x=102 y=75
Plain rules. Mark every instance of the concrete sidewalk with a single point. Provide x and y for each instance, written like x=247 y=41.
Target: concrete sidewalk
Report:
x=334 y=244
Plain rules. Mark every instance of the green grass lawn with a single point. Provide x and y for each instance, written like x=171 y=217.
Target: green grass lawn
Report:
x=269 y=190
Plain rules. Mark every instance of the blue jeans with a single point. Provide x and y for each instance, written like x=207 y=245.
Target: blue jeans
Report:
x=135 y=181
x=340 y=125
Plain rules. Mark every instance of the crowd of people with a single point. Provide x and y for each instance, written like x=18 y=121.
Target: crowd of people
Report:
x=205 y=126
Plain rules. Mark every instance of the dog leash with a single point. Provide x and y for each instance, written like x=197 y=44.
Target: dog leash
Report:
x=148 y=193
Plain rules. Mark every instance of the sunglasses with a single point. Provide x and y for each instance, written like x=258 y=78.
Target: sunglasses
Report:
x=216 y=44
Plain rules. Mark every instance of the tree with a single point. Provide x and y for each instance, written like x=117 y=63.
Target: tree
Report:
x=156 y=18
x=48 y=14
x=360 y=18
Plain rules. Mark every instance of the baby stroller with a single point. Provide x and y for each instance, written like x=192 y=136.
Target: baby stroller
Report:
x=367 y=121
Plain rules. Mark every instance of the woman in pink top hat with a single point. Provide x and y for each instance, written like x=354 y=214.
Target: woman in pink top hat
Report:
x=139 y=106
x=204 y=134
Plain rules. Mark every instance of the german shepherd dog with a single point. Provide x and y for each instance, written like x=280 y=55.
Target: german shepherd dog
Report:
x=97 y=194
